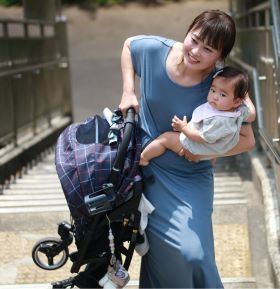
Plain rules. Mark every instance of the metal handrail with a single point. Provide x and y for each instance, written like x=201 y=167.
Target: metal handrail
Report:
x=253 y=73
x=270 y=144
x=275 y=12
x=257 y=8
x=26 y=21
x=273 y=5
x=266 y=57
x=33 y=67
x=36 y=90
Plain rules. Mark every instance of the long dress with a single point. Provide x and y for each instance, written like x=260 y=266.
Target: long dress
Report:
x=179 y=231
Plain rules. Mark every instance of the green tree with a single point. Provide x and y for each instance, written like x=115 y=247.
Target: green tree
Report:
x=10 y=2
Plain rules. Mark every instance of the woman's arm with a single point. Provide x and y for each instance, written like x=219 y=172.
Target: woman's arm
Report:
x=129 y=98
x=247 y=138
x=252 y=109
x=246 y=141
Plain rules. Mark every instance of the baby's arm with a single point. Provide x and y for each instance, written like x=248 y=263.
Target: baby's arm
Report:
x=190 y=132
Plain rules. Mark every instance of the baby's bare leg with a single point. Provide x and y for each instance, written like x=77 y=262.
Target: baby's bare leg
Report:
x=168 y=140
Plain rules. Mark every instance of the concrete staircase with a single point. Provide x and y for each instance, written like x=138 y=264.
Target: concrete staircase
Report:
x=36 y=200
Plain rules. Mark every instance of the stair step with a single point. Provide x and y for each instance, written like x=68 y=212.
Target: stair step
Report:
x=38 y=209
x=4 y=198
x=233 y=283
x=229 y=283
x=32 y=203
x=30 y=191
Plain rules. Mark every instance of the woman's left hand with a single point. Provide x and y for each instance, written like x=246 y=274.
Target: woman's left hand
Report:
x=191 y=157
x=196 y=158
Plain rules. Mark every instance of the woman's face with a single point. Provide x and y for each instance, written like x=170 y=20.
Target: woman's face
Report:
x=197 y=54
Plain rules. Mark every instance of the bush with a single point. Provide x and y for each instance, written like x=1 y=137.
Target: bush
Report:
x=93 y=2
x=76 y=2
x=10 y=2
x=84 y=2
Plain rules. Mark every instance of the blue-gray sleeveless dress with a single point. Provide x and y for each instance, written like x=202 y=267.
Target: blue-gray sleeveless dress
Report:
x=179 y=231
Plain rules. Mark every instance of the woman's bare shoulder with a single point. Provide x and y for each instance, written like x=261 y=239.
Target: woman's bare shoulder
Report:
x=176 y=52
x=178 y=46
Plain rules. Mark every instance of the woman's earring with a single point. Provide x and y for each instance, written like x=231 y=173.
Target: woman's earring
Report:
x=220 y=64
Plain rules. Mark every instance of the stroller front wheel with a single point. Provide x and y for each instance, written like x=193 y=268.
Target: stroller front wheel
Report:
x=48 y=253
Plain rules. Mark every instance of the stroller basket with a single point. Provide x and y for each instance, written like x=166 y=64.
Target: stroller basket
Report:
x=98 y=167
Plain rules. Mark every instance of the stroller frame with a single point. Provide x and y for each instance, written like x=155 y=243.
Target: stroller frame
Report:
x=126 y=215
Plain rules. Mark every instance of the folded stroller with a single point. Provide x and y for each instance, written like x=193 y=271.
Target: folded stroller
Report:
x=98 y=166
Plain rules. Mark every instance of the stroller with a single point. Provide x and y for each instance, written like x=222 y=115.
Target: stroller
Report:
x=98 y=166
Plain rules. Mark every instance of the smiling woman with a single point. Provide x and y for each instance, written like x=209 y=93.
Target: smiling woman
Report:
x=198 y=54
x=219 y=35
x=177 y=77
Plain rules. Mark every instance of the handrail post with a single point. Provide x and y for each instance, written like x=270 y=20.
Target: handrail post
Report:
x=27 y=56
x=275 y=12
x=62 y=44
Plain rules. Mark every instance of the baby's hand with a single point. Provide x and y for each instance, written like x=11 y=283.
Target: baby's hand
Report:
x=178 y=124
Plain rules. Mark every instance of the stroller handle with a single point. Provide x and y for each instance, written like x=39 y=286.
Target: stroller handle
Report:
x=122 y=149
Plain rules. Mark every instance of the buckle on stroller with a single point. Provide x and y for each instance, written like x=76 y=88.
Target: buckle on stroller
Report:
x=101 y=203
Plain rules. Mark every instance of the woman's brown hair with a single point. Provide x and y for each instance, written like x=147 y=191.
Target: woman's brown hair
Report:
x=217 y=29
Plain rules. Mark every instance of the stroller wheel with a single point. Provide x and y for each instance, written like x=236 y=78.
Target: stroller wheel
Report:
x=48 y=253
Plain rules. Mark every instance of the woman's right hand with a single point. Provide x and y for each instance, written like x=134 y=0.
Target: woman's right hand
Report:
x=128 y=100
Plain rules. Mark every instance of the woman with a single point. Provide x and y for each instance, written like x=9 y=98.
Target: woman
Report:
x=174 y=79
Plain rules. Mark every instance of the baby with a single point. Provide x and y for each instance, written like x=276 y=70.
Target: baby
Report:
x=215 y=126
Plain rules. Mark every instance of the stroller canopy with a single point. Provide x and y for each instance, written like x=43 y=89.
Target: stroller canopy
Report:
x=85 y=161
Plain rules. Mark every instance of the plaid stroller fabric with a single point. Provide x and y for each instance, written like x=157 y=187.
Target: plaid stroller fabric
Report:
x=84 y=159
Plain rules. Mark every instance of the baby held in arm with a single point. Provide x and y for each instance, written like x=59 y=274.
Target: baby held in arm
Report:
x=215 y=126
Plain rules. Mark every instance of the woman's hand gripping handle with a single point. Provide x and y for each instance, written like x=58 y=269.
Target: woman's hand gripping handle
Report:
x=128 y=100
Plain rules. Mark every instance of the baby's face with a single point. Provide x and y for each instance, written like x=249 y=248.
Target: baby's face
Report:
x=221 y=95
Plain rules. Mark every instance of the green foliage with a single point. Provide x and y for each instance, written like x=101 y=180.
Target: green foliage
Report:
x=86 y=2
x=108 y=2
x=10 y=2
x=94 y=2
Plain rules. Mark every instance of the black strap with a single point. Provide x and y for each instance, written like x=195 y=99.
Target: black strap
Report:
x=133 y=240
x=84 y=246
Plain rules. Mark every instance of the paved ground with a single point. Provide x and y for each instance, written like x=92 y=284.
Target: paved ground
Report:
x=31 y=208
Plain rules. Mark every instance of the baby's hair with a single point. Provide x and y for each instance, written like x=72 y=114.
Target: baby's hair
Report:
x=241 y=80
